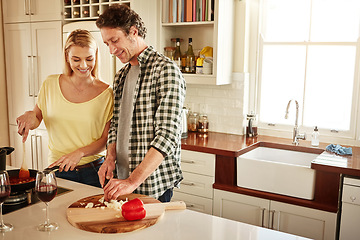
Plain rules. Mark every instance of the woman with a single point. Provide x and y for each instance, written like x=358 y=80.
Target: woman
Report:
x=76 y=108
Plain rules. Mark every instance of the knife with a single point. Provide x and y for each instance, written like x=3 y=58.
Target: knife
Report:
x=106 y=181
x=48 y=170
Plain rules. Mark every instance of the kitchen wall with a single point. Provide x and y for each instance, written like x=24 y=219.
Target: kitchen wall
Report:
x=227 y=105
x=4 y=125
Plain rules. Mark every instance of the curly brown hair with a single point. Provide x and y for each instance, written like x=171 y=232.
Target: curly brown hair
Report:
x=123 y=17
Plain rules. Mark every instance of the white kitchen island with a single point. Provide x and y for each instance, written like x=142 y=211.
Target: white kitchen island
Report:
x=175 y=224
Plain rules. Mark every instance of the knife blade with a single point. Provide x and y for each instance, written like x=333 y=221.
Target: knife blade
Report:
x=48 y=170
x=106 y=182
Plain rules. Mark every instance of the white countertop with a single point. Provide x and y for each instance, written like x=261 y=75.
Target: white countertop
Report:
x=175 y=224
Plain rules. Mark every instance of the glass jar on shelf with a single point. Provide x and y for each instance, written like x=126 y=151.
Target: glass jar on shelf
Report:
x=169 y=52
x=203 y=126
x=193 y=122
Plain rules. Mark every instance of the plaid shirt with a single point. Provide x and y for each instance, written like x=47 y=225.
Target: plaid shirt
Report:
x=158 y=102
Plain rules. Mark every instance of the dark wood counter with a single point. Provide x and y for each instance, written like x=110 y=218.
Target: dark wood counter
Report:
x=232 y=145
x=228 y=147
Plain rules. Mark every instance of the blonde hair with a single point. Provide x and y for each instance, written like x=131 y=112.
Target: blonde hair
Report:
x=81 y=38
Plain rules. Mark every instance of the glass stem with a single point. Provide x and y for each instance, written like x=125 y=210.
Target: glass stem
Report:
x=47 y=214
x=1 y=215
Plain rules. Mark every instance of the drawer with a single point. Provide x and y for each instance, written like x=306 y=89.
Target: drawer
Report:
x=351 y=194
x=198 y=162
x=194 y=203
x=196 y=184
x=352 y=181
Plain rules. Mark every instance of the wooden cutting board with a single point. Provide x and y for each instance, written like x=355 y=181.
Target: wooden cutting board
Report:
x=108 y=220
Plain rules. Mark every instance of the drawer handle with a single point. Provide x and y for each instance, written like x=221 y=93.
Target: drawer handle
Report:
x=188 y=161
x=352 y=198
x=188 y=183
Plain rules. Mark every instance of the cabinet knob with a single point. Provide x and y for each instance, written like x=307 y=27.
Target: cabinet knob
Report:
x=352 y=198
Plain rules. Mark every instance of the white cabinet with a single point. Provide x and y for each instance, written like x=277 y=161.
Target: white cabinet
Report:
x=217 y=34
x=31 y=10
x=302 y=221
x=36 y=148
x=33 y=51
x=196 y=188
x=350 y=209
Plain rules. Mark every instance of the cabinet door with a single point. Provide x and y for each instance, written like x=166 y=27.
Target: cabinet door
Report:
x=195 y=203
x=302 y=221
x=241 y=208
x=16 y=11
x=106 y=60
x=45 y=10
x=18 y=154
x=18 y=69
x=40 y=150
x=46 y=51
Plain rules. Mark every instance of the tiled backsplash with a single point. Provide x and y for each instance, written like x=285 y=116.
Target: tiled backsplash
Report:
x=225 y=105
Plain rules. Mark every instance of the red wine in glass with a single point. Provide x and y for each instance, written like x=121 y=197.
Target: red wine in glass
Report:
x=4 y=194
x=46 y=193
x=46 y=189
x=5 y=189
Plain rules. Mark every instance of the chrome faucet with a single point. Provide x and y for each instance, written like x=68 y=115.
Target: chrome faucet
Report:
x=296 y=134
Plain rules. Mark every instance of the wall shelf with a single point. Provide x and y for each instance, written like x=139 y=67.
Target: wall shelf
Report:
x=87 y=9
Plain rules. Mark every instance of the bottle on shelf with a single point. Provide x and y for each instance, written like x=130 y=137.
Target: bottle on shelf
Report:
x=315 y=137
x=183 y=62
x=190 y=59
x=177 y=54
x=76 y=13
x=86 y=13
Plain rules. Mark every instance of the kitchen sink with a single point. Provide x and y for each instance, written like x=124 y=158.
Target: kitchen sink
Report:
x=277 y=170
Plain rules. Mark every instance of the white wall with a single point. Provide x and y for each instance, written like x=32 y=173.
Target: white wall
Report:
x=225 y=105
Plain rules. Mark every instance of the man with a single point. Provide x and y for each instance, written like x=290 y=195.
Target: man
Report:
x=144 y=139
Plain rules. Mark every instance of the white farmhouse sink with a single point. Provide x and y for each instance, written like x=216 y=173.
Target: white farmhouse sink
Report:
x=278 y=171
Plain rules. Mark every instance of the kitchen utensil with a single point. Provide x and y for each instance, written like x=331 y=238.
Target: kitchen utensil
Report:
x=24 y=171
x=184 y=126
x=46 y=189
x=3 y=152
x=54 y=168
x=109 y=220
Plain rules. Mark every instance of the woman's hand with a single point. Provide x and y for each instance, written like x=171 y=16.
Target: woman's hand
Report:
x=69 y=161
x=26 y=122
x=29 y=121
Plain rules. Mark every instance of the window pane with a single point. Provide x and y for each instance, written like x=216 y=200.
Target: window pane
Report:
x=286 y=20
x=335 y=21
x=282 y=79
x=329 y=86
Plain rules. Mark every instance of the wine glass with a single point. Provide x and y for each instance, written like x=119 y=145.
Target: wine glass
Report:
x=46 y=189
x=4 y=194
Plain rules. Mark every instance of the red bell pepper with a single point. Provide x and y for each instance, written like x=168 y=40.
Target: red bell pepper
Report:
x=133 y=210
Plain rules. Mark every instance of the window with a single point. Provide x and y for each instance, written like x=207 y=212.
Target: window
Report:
x=309 y=51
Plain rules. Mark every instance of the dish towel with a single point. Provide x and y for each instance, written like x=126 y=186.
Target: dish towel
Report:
x=339 y=149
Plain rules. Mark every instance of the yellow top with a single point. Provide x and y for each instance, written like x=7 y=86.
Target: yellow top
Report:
x=72 y=125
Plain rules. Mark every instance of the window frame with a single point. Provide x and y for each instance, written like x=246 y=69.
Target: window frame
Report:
x=351 y=137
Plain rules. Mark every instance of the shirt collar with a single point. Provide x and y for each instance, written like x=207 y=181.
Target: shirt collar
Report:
x=144 y=55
